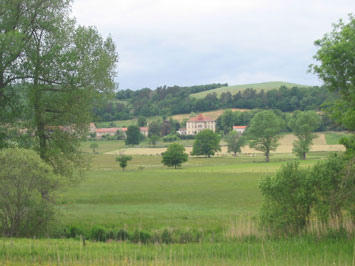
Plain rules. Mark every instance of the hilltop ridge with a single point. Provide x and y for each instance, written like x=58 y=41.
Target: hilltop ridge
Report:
x=257 y=86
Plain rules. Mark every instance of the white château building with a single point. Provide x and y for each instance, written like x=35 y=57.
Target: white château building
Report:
x=198 y=123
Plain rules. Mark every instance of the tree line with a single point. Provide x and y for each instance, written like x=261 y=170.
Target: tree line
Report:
x=178 y=100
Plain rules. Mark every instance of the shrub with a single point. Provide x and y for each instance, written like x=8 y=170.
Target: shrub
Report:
x=26 y=186
x=287 y=201
x=74 y=232
x=140 y=237
x=98 y=233
x=122 y=235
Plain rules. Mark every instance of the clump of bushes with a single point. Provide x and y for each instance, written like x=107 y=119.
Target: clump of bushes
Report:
x=164 y=236
x=295 y=195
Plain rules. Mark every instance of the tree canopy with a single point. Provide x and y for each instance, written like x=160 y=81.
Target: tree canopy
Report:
x=175 y=155
x=133 y=135
x=302 y=125
x=206 y=143
x=264 y=132
x=123 y=160
x=56 y=72
x=337 y=69
x=235 y=141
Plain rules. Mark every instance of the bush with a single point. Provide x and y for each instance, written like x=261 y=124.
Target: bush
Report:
x=140 y=237
x=170 y=138
x=287 y=201
x=74 y=232
x=334 y=187
x=98 y=233
x=122 y=235
x=26 y=186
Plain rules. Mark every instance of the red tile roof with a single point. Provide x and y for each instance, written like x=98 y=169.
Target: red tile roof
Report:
x=239 y=127
x=200 y=118
x=143 y=128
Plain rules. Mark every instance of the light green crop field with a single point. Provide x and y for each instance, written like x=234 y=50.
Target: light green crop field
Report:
x=257 y=86
x=333 y=138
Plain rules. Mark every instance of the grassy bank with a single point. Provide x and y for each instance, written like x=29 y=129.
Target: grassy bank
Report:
x=293 y=251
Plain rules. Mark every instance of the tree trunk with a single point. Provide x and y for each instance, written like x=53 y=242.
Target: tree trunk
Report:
x=267 y=156
x=304 y=156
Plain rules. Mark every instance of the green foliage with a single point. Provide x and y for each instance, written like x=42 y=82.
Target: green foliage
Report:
x=334 y=187
x=175 y=155
x=98 y=233
x=123 y=160
x=133 y=135
x=120 y=135
x=171 y=137
x=235 y=141
x=153 y=139
x=349 y=143
x=154 y=128
x=206 y=143
x=302 y=125
x=141 y=121
x=26 y=187
x=337 y=69
x=264 y=132
x=94 y=146
x=287 y=200
x=65 y=71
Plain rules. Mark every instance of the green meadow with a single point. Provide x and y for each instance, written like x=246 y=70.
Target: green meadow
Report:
x=205 y=194
x=257 y=86
x=204 y=213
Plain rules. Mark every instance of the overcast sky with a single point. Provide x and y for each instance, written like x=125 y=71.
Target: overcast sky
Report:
x=192 y=42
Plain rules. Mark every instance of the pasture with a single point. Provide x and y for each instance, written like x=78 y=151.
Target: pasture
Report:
x=204 y=213
x=257 y=86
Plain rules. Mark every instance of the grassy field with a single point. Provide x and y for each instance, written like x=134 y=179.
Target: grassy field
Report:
x=206 y=194
x=281 y=252
x=334 y=137
x=205 y=212
x=257 y=86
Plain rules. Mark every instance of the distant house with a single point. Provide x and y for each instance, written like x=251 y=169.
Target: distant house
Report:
x=239 y=129
x=106 y=131
x=92 y=128
x=182 y=131
x=144 y=131
x=198 y=123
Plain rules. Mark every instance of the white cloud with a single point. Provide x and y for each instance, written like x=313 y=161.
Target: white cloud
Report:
x=165 y=41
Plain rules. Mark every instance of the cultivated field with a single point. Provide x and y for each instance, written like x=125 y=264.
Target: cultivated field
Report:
x=319 y=144
x=257 y=86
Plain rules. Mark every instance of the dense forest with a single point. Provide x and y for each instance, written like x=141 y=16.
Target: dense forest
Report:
x=177 y=100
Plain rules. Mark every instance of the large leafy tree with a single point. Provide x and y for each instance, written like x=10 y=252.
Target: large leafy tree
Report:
x=336 y=68
x=303 y=124
x=175 y=155
x=206 y=143
x=61 y=70
x=264 y=132
x=133 y=135
x=235 y=141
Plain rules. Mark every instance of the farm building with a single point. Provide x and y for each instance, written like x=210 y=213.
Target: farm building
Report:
x=198 y=123
x=239 y=129
x=106 y=131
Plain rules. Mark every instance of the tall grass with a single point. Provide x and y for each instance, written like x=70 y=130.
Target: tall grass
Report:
x=295 y=251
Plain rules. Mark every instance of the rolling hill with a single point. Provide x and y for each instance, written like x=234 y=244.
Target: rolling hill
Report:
x=257 y=86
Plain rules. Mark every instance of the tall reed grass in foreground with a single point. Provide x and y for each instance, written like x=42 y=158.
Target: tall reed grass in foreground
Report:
x=292 y=251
